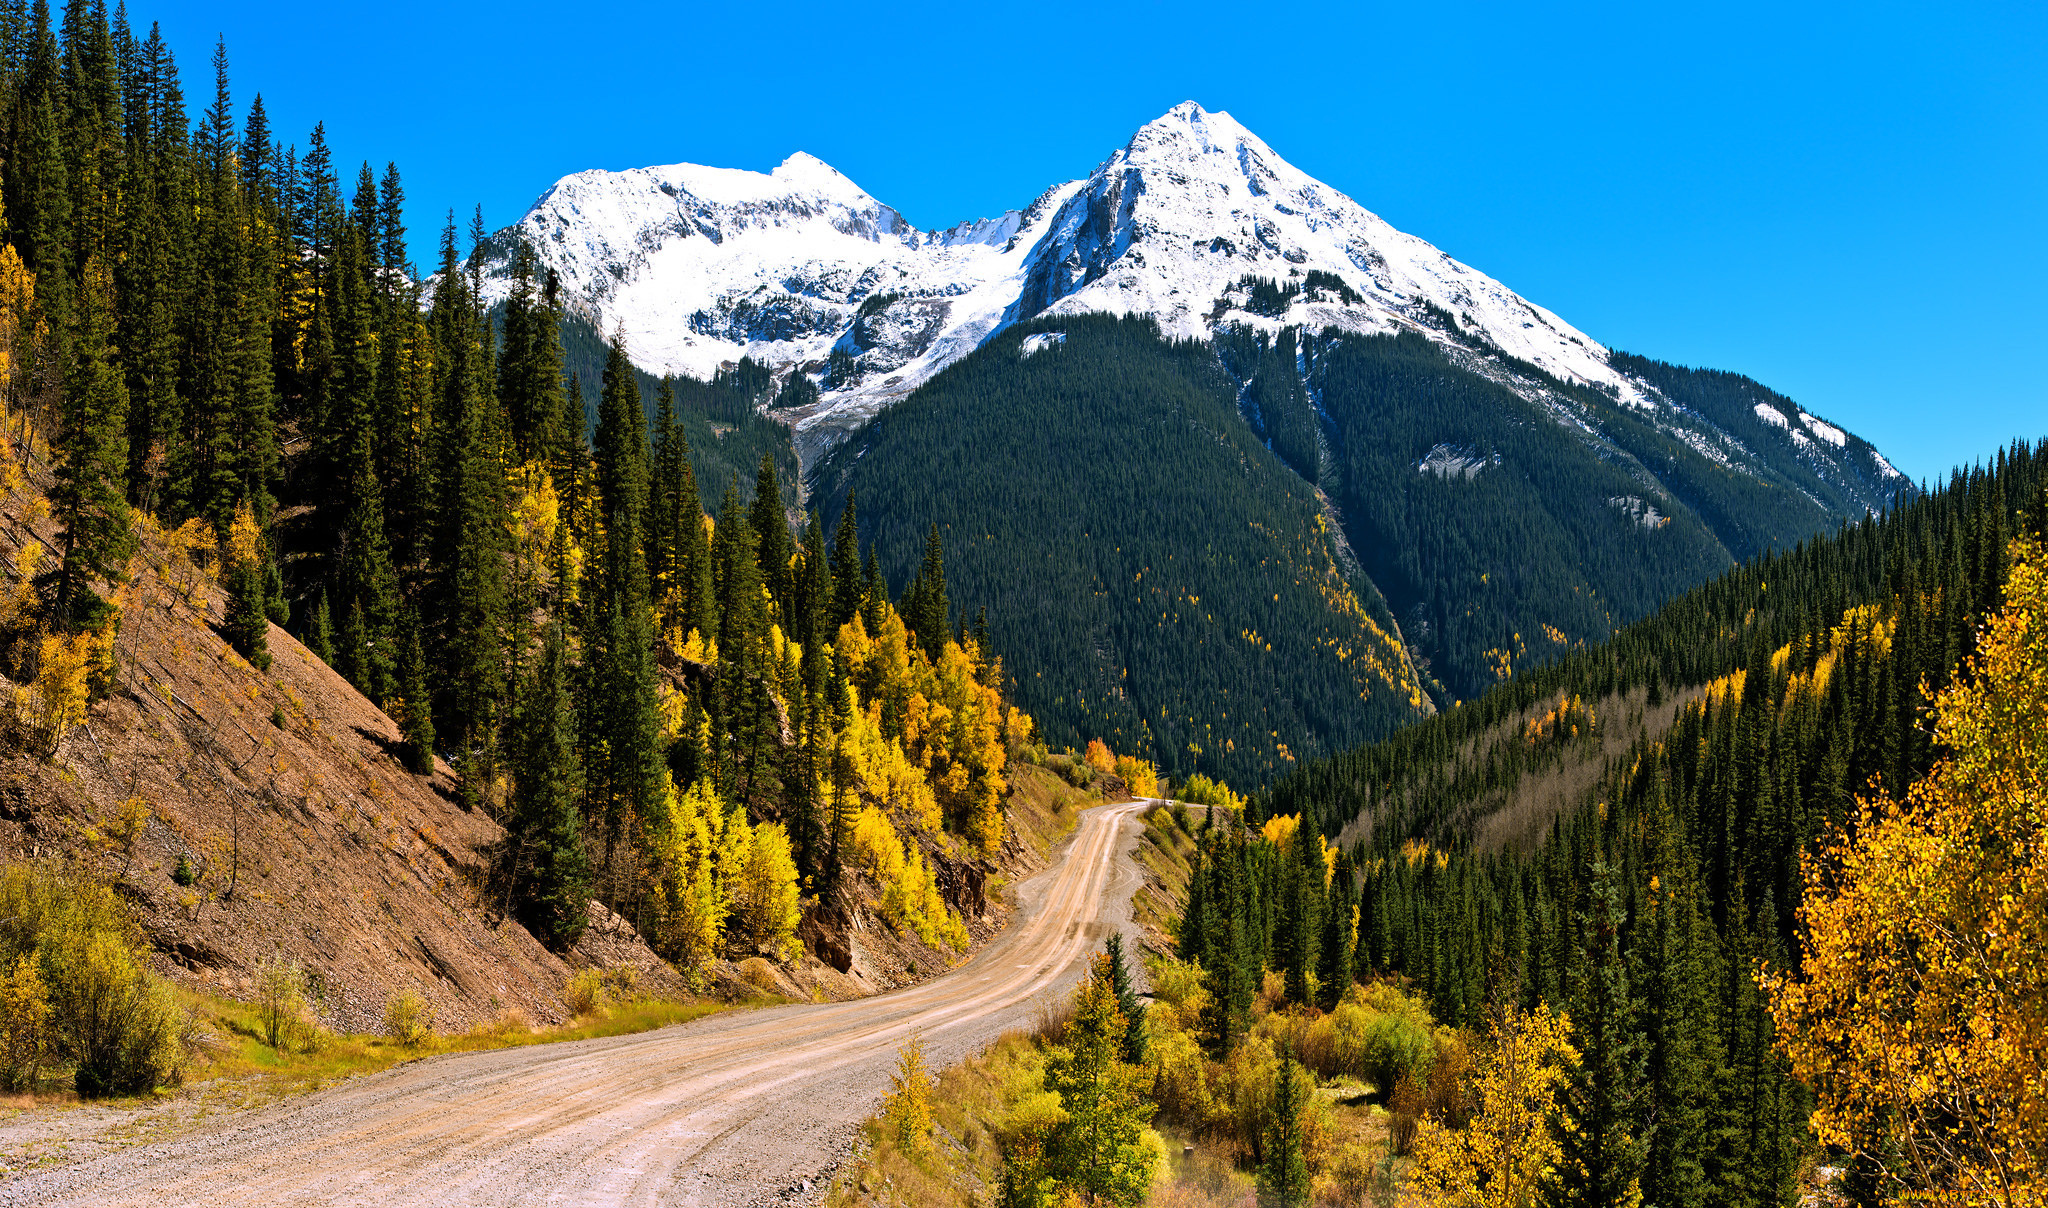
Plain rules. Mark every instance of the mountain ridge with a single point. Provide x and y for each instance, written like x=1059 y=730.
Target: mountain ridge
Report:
x=802 y=270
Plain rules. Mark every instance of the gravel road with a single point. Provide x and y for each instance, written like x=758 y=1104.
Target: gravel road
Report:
x=741 y=1108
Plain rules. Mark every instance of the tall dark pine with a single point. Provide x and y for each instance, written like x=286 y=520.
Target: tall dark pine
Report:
x=471 y=565
x=625 y=770
x=773 y=547
x=551 y=868
x=1606 y=1105
x=89 y=495
x=846 y=567
x=927 y=608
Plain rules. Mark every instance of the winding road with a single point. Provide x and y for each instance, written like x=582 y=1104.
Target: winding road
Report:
x=741 y=1108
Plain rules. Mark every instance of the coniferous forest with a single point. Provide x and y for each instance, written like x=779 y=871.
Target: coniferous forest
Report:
x=1667 y=910
x=499 y=536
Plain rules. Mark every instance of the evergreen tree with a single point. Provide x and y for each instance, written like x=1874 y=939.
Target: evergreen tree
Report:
x=1134 y=1042
x=89 y=496
x=1283 y=1174
x=1605 y=1129
x=551 y=868
x=775 y=549
x=846 y=567
x=415 y=713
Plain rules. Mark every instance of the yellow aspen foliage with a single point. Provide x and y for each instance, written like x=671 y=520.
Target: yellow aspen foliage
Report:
x=1280 y=829
x=683 y=847
x=1139 y=775
x=536 y=519
x=699 y=649
x=1098 y=756
x=1920 y=1018
x=56 y=700
x=18 y=601
x=242 y=544
x=765 y=910
x=1200 y=790
x=909 y=1106
x=24 y=1020
x=910 y=895
x=1500 y=1158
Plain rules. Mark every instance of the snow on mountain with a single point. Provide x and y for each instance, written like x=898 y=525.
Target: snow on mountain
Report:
x=1196 y=222
x=1195 y=203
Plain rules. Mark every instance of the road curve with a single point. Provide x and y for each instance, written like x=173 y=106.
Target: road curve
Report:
x=741 y=1108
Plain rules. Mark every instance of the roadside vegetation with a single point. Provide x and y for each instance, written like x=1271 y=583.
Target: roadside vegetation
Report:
x=83 y=1016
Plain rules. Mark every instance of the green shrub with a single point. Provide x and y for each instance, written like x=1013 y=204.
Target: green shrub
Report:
x=282 y=1006
x=1073 y=769
x=101 y=1007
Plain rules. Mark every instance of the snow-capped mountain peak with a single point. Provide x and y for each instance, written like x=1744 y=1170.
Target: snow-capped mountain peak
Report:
x=1195 y=221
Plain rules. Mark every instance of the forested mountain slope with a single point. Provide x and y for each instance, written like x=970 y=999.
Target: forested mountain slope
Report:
x=1152 y=574
x=1669 y=782
x=1501 y=519
x=1506 y=486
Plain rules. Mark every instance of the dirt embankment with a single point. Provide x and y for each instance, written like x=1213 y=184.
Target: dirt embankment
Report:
x=281 y=820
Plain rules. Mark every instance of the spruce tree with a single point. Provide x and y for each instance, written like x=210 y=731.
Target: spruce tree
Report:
x=1605 y=1130
x=1283 y=1180
x=415 y=713
x=774 y=549
x=551 y=866
x=846 y=567
x=928 y=615
x=1134 y=1048
x=89 y=496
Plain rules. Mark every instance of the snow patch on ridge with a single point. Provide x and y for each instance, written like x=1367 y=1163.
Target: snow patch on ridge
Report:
x=1826 y=431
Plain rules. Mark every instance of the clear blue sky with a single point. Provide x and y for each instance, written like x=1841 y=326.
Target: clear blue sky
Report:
x=1843 y=201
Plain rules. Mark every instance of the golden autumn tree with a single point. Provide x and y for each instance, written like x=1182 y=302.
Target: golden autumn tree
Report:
x=1499 y=1160
x=1920 y=1020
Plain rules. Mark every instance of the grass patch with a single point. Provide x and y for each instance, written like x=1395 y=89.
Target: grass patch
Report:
x=239 y=1063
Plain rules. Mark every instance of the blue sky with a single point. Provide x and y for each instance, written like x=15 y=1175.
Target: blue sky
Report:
x=1845 y=202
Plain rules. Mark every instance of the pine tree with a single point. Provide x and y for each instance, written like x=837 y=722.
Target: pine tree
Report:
x=1134 y=1041
x=415 y=712
x=551 y=867
x=1283 y=1175
x=928 y=614
x=846 y=567
x=89 y=496
x=366 y=647
x=626 y=764
x=1605 y=1129
x=247 y=627
x=773 y=548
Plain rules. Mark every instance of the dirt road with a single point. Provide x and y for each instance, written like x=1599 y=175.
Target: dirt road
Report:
x=746 y=1107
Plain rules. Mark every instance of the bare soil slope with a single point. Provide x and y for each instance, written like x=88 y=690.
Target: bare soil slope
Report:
x=284 y=794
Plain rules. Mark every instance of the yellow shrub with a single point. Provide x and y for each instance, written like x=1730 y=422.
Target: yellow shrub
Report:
x=56 y=700
x=586 y=993
x=1138 y=775
x=24 y=1024
x=408 y=1018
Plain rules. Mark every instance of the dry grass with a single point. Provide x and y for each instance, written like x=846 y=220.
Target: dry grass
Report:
x=241 y=1064
x=1044 y=809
